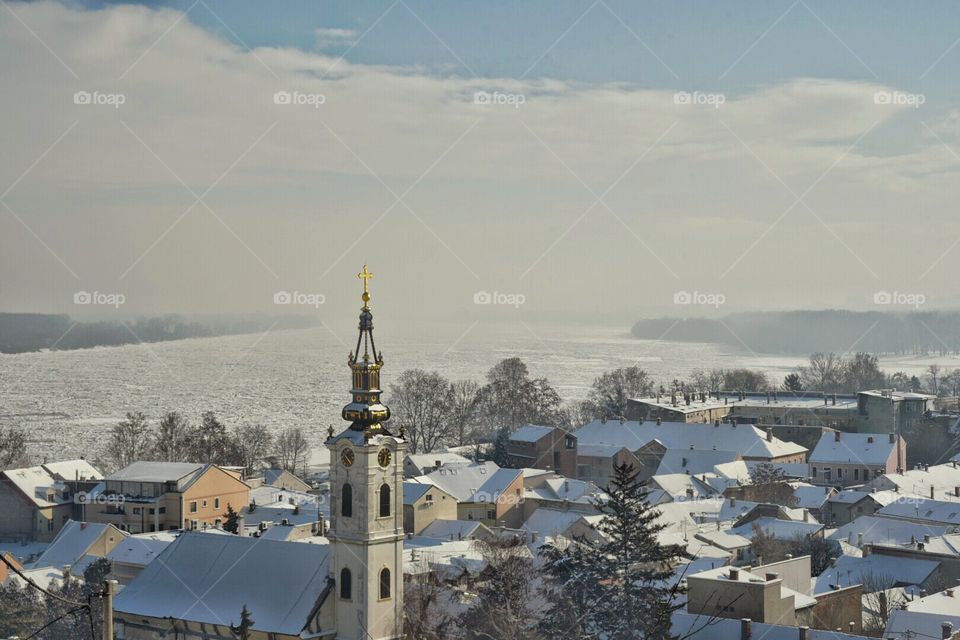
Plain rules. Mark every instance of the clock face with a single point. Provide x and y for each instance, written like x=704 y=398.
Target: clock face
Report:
x=383 y=457
x=346 y=457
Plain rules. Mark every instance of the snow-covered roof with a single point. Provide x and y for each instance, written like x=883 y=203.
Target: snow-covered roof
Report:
x=67 y=470
x=413 y=491
x=880 y=571
x=722 y=574
x=781 y=529
x=454 y=529
x=745 y=439
x=869 y=449
x=694 y=627
x=560 y=488
x=880 y=530
x=421 y=461
x=677 y=486
x=37 y=484
x=278 y=512
x=73 y=542
x=45 y=577
x=530 y=433
x=138 y=550
x=448 y=558
x=495 y=485
x=904 y=623
x=807 y=496
x=598 y=450
x=551 y=522
x=280 y=582
x=944 y=478
x=693 y=460
x=462 y=481
x=922 y=509
x=147 y=471
x=799 y=470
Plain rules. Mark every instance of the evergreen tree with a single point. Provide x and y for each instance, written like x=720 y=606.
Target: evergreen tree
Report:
x=242 y=630
x=231 y=520
x=619 y=587
x=792 y=382
x=500 y=455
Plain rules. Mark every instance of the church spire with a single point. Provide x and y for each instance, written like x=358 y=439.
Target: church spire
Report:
x=365 y=412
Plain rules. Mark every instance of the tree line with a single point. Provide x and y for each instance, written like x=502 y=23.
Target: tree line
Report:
x=175 y=439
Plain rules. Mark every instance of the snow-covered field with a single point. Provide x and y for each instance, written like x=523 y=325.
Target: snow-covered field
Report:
x=69 y=399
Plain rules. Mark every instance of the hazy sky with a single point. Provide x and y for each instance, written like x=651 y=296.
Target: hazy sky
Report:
x=811 y=160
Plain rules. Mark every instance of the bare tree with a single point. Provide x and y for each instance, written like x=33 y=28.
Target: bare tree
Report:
x=879 y=601
x=293 y=450
x=610 y=392
x=129 y=440
x=824 y=373
x=249 y=445
x=426 y=606
x=464 y=398
x=13 y=448
x=171 y=443
x=769 y=484
x=503 y=605
x=421 y=402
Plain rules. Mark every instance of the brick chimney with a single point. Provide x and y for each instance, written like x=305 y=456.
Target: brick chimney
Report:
x=746 y=629
x=893 y=438
x=836 y=436
x=804 y=633
x=946 y=630
x=769 y=434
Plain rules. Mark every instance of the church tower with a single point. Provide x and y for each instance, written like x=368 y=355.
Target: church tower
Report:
x=366 y=508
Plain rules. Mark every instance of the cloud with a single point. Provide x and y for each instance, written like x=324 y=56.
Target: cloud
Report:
x=327 y=38
x=295 y=182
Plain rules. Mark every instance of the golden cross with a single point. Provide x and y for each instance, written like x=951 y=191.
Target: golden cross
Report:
x=365 y=276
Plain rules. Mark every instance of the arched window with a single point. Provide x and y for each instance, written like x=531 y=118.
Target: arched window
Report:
x=345 y=583
x=346 y=501
x=384 y=500
x=384 y=583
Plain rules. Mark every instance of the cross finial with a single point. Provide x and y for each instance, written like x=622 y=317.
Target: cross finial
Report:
x=365 y=276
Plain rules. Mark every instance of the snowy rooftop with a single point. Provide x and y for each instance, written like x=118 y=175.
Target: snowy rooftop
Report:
x=873 y=449
x=744 y=439
x=423 y=460
x=145 y=471
x=922 y=509
x=454 y=529
x=880 y=572
x=530 y=433
x=37 y=484
x=280 y=582
x=694 y=461
x=693 y=627
x=461 y=481
x=73 y=470
x=136 y=550
x=73 y=542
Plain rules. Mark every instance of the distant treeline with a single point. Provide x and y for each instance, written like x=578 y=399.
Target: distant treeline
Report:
x=804 y=332
x=21 y=332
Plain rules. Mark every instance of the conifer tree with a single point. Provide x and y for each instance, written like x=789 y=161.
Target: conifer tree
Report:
x=231 y=522
x=242 y=630
x=618 y=588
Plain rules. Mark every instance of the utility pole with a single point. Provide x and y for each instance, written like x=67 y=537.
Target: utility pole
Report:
x=109 y=588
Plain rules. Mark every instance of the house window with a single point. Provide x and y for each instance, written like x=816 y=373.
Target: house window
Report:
x=491 y=514
x=346 y=502
x=856 y=474
x=384 y=583
x=814 y=471
x=826 y=474
x=429 y=498
x=194 y=524
x=204 y=504
x=384 y=500
x=866 y=474
x=345 y=579
x=162 y=510
x=216 y=503
x=193 y=507
x=839 y=473
x=136 y=511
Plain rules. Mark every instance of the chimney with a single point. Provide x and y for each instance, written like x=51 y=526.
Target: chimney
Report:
x=768 y=397
x=893 y=438
x=956 y=492
x=825 y=400
x=932 y=494
x=716 y=423
x=804 y=633
x=836 y=436
x=733 y=501
x=437 y=464
x=772 y=576
x=926 y=538
x=240 y=525
x=860 y=540
x=746 y=631
x=806 y=516
x=949 y=593
x=834 y=399
x=774 y=396
x=658 y=421
x=66 y=572
x=769 y=434
x=869 y=439
x=946 y=630
x=734 y=574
